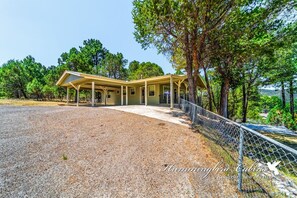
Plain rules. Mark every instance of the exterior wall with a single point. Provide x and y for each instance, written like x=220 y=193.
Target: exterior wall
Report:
x=115 y=97
x=134 y=99
x=154 y=100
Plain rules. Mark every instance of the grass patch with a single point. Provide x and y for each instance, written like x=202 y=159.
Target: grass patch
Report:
x=19 y=102
x=64 y=157
x=290 y=141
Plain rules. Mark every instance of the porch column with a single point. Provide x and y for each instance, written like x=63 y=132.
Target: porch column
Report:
x=145 y=93
x=126 y=95
x=105 y=91
x=178 y=93
x=77 y=95
x=67 y=96
x=171 y=92
x=122 y=95
x=186 y=85
x=93 y=94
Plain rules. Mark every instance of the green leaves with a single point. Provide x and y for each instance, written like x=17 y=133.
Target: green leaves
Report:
x=34 y=87
x=144 y=70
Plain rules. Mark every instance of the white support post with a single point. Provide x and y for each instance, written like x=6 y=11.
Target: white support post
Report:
x=67 y=96
x=186 y=85
x=178 y=93
x=171 y=92
x=105 y=91
x=93 y=94
x=122 y=95
x=77 y=95
x=126 y=95
x=145 y=93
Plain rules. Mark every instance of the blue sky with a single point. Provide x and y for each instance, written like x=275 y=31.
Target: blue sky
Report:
x=46 y=28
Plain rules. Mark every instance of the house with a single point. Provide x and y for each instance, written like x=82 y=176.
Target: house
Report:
x=167 y=89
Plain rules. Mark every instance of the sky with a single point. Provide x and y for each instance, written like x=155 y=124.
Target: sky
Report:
x=47 y=28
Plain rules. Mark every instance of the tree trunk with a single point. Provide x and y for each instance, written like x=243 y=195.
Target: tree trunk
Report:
x=292 y=99
x=244 y=103
x=208 y=90
x=213 y=99
x=192 y=90
x=283 y=95
x=224 y=97
x=24 y=93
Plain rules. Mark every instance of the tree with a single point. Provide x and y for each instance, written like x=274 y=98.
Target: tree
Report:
x=133 y=67
x=114 y=66
x=146 y=70
x=13 y=79
x=249 y=29
x=35 y=88
x=171 y=25
x=15 y=75
x=94 y=52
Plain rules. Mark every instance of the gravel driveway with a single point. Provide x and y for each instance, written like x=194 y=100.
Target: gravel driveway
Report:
x=99 y=152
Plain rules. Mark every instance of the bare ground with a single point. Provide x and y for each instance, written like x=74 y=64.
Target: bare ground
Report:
x=98 y=152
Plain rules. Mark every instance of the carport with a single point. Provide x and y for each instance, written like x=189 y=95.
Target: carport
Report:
x=148 y=89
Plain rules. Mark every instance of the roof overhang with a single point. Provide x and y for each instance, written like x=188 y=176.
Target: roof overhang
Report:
x=70 y=78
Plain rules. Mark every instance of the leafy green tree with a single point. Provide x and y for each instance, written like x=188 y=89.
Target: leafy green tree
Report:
x=280 y=116
x=48 y=91
x=35 y=88
x=13 y=79
x=15 y=75
x=114 y=66
x=182 y=25
x=146 y=70
x=94 y=53
x=269 y=102
x=133 y=67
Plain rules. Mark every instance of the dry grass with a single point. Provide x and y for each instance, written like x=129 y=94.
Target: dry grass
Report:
x=288 y=140
x=18 y=102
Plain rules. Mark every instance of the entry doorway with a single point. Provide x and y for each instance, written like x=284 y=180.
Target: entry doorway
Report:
x=142 y=95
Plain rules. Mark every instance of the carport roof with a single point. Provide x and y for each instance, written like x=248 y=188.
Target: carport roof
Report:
x=69 y=78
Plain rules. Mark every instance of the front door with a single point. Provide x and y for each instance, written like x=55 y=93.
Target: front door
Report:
x=166 y=94
x=142 y=95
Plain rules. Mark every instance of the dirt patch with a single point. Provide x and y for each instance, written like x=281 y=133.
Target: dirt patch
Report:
x=87 y=152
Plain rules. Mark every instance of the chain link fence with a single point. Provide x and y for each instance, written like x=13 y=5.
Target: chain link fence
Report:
x=249 y=148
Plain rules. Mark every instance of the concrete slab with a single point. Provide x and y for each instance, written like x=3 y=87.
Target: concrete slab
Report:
x=162 y=113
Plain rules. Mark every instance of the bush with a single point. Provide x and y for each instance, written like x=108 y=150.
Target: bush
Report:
x=279 y=116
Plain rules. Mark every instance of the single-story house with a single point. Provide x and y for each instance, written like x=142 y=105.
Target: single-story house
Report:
x=167 y=89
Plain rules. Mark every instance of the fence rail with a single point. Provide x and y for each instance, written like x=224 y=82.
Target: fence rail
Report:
x=244 y=144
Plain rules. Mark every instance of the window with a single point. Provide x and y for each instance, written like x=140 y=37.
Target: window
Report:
x=151 y=89
x=132 y=91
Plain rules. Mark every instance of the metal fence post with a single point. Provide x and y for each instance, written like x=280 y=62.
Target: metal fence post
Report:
x=240 y=160
x=193 y=114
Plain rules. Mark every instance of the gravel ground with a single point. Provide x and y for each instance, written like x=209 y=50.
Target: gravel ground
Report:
x=97 y=152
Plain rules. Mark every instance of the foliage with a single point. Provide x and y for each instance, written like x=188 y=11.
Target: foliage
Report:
x=15 y=76
x=114 y=66
x=144 y=70
x=279 y=116
x=28 y=78
x=35 y=88
x=269 y=102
